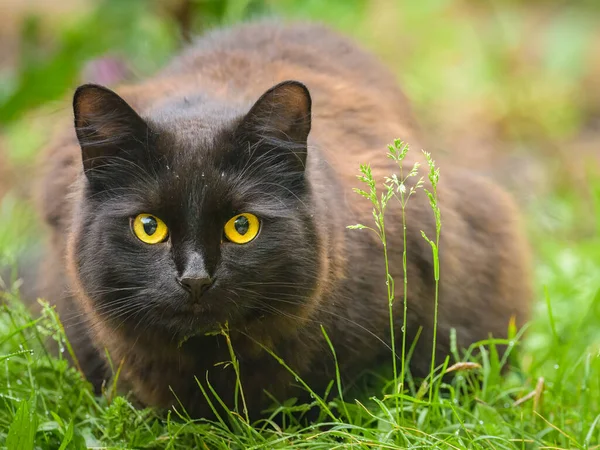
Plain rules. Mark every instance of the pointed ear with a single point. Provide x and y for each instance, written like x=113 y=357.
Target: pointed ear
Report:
x=279 y=123
x=110 y=132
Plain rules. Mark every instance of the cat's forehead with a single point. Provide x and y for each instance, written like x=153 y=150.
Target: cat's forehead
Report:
x=193 y=166
x=203 y=158
x=202 y=176
x=193 y=132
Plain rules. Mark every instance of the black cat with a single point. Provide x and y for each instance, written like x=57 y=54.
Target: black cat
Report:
x=218 y=193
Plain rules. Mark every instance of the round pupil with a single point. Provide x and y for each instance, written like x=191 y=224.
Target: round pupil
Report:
x=150 y=225
x=241 y=225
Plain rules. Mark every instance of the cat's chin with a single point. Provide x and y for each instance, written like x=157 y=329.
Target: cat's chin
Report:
x=175 y=321
x=183 y=325
x=199 y=326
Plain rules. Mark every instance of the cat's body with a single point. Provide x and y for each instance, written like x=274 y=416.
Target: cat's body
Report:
x=305 y=268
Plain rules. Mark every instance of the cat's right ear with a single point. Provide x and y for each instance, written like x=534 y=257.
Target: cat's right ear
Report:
x=109 y=131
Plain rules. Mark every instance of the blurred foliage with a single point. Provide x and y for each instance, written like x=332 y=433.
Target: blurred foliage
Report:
x=127 y=28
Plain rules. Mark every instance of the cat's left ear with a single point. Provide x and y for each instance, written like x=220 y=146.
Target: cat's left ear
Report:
x=278 y=124
x=111 y=134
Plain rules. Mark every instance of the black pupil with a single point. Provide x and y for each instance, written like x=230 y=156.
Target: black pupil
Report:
x=150 y=225
x=241 y=225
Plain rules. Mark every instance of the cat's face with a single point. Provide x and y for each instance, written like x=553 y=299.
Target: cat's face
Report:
x=185 y=225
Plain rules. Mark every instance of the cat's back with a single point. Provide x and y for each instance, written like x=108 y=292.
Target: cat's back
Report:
x=351 y=90
x=248 y=52
x=357 y=105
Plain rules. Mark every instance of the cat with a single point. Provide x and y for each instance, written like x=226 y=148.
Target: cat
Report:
x=218 y=194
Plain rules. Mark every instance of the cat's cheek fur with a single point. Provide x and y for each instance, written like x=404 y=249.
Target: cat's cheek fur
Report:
x=276 y=273
x=117 y=272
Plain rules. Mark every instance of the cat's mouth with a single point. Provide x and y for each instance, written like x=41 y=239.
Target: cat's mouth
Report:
x=196 y=317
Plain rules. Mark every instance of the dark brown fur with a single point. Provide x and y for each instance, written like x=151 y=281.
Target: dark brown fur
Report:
x=357 y=110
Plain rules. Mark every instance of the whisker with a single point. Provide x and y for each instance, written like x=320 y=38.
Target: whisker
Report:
x=261 y=297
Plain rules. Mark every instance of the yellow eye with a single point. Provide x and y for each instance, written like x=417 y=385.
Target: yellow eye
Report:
x=150 y=229
x=242 y=228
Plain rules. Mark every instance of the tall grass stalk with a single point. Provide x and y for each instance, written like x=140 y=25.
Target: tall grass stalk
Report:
x=434 y=176
x=379 y=205
x=398 y=151
x=239 y=389
x=394 y=186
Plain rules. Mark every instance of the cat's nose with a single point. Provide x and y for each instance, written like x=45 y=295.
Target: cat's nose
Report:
x=196 y=284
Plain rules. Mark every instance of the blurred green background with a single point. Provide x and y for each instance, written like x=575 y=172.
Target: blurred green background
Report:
x=510 y=88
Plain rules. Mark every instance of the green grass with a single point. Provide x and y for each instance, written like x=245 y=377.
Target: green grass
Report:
x=454 y=51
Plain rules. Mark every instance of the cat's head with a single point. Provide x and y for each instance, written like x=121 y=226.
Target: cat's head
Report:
x=191 y=216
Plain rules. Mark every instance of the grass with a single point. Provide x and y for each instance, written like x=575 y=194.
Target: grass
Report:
x=529 y=86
